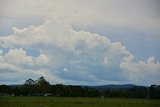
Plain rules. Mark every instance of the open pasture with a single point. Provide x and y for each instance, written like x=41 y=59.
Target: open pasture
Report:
x=75 y=102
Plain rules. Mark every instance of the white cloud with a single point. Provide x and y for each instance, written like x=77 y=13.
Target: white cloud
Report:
x=77 y=57
x=146 y=72
x=42 y=59
x=17 y=65
x=17 y=57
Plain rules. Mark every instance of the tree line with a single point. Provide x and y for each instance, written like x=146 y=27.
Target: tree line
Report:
x=41 y=87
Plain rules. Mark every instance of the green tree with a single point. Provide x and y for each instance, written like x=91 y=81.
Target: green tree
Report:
x=43 y=86
x=154 y=92
x=29 y=87
x=58 y=90
x=4 y=89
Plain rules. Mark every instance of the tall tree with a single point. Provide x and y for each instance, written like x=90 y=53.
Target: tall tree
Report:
x=29 y=82
x=154 y=92
x=29 y=87
x=43 y=86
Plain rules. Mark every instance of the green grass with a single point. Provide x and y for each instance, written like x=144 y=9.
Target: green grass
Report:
x=74 y=102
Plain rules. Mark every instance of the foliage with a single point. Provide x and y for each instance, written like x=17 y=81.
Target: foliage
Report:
x=41 y=87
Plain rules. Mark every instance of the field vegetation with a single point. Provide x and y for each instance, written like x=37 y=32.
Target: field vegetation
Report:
x=75 y=102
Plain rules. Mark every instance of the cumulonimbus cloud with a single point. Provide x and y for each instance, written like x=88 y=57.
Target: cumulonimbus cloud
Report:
x=78 y=57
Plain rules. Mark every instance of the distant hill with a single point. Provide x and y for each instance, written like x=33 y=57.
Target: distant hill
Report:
x=15 y=85
x=100 y=88
x=113 y=86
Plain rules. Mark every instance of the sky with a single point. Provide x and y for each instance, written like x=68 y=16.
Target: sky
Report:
x=80 y=42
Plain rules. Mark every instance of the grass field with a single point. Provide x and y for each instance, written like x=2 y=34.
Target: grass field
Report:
x=75 y=102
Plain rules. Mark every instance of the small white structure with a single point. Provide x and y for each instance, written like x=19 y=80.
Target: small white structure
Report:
x=48 y=94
